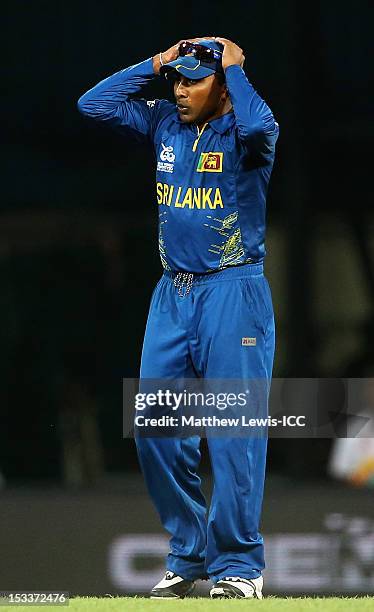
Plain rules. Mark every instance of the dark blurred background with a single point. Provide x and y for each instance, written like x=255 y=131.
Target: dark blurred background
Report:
x=78 y=249
x=79 y=260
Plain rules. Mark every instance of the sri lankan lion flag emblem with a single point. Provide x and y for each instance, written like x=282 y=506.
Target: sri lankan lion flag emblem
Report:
x=210 y=162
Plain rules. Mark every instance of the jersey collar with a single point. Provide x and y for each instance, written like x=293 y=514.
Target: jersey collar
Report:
x=220 y=125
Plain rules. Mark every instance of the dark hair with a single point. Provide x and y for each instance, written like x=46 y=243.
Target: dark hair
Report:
x=221 y=78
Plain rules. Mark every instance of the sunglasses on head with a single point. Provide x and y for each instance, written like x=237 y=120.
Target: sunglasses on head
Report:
x=202 y=53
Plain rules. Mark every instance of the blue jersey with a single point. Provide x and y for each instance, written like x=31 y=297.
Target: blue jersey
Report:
x=211 y=183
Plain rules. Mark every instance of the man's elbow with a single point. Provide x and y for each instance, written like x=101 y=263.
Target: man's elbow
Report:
x=83 y=105
x=252 y=132
x=261 y=140
x=259 y=130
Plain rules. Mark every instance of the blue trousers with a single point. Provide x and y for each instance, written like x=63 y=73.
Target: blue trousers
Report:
x=200 y=335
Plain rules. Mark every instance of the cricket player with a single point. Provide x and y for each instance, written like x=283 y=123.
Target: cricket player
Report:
x=211 y=313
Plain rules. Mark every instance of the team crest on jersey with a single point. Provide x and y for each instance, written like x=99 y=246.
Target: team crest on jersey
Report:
x=210 y=162
x=167 y=157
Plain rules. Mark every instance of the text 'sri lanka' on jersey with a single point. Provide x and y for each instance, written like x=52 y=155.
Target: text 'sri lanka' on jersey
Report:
x=211 y=182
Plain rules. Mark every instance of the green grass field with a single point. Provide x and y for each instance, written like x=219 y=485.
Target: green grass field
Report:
x=270 y=604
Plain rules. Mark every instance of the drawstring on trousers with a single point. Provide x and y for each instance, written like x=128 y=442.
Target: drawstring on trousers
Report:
x=183 y=280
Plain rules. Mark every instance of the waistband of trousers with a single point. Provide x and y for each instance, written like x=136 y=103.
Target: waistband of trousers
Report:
x=229 y=273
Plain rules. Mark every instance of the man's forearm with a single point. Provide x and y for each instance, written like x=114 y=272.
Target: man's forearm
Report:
x=253 y=116
x=157 y=63
x=101 y=101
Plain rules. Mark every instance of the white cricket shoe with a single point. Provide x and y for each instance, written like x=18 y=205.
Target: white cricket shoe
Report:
x=238 y=588
x=172 y=586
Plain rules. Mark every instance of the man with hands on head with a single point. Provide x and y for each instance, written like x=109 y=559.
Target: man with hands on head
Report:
x=211 y=313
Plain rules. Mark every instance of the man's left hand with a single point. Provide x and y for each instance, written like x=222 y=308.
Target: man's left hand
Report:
x=232 y=53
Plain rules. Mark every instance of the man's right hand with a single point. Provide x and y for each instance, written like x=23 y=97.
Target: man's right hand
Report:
x=171 y=54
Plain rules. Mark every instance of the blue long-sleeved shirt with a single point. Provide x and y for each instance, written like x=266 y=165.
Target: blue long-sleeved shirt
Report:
x=211 y=184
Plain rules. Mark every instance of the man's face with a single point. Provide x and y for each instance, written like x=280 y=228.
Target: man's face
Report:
x=199 y=101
